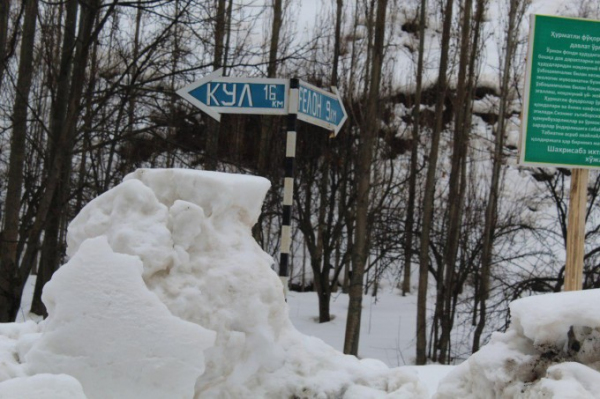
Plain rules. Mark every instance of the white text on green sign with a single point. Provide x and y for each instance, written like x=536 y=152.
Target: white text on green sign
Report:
x=561 y=113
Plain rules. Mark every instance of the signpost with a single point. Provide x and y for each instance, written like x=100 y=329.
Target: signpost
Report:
x=562 y=97
x=561 y=114
x=216 y=95
x=319 y=107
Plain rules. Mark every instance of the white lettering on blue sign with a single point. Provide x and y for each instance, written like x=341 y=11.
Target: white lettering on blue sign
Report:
x=331 y=115
x=310 y=102
x=229 y=95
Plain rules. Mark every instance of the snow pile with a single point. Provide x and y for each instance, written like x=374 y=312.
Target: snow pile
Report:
x=42 y=386
x=12 y=337
x=167 y=295
x=552 y=349
x=112 y=334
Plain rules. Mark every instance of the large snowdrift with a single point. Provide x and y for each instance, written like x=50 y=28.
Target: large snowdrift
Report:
x=167 y=295
x=551 y=350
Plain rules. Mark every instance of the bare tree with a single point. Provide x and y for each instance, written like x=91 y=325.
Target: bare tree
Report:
x=414 y=148
x=4 y=13
x=12 y=278
x=365 y=158
x=457 y=184
x=515 y=13
x=50 y=251
x=430 y=188
x=212 y=139
x=269 y=122
x=336 y=42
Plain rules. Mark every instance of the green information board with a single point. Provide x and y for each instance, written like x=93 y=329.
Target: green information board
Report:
x=561 y=112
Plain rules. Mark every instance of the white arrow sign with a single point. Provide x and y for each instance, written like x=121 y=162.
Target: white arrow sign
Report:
x=216 y=95
x=321 y=108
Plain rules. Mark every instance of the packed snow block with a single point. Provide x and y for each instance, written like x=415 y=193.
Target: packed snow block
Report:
x=551 y=349
x=42 y=386
x=192 y=231
x=106 y=329
x=133 y=221
x=547 y=319
x=216 y=193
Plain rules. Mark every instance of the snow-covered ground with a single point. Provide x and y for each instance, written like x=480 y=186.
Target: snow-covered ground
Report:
x=167 y=295
x=387 y=324
x=387 y=329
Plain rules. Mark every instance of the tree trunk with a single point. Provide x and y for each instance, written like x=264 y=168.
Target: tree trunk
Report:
x=228 y=38
x=50 y=249
x=430 y=189
x=491 y=212
x=334 y=83
x=4 y=13
x=365 y=158
x=213 y=127
x=11 y=278
x=220 y=27
x=275 y=32
x=414 y=148
x=325 y=295
x=87 y=128
x=336 y=42
x=369 y=10
x=456 y=185
x=268 y=122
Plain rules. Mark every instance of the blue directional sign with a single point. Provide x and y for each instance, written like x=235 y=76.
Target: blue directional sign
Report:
x=216 y=95
x=321 y=108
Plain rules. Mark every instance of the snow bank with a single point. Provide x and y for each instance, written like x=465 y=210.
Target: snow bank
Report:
x=551 y=349
x=112 y=334
x=546 y=320
x=42 y=386
x=12 y=339
x=167 y=295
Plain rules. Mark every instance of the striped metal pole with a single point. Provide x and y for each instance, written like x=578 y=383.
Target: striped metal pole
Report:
x=288 y=185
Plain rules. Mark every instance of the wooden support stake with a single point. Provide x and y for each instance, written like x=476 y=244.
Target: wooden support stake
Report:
x=576 y=230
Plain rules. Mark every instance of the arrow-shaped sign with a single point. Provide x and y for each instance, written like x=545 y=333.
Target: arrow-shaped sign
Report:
x=321 y=108
x=216 y=95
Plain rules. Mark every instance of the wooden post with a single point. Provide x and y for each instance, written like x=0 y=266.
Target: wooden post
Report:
x=576 y=230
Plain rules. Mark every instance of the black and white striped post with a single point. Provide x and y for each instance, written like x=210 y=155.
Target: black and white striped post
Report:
x=215 y=94
x=288 y=184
